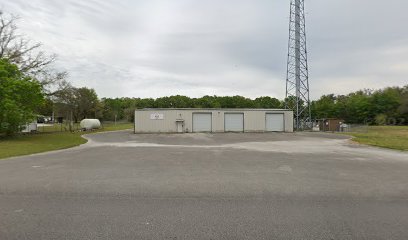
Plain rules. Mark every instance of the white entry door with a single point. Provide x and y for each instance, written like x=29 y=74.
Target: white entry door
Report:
x=275 y=122
x=202 y=122
x=234 y=122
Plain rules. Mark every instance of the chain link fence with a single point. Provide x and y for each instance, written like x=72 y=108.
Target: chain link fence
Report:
x=337 y=125
x=50 y=127
x=60 y=127
x=57 y=127
x=355 y=128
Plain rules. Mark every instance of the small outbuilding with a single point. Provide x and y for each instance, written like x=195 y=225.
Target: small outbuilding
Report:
x=212 y=120
x=329 y=124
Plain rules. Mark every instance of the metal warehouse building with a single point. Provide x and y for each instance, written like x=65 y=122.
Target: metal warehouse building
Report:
x=213 y=120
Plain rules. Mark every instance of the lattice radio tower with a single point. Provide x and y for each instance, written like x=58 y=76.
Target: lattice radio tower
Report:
x=297 y=78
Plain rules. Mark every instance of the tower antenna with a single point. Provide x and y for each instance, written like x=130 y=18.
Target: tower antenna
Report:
x=297 y=76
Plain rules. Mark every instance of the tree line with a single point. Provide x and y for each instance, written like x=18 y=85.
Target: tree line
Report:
x=388 y=106
x=123 y=108
x=385 y=106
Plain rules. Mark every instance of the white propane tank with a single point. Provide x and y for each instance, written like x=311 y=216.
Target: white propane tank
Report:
x=90 y=124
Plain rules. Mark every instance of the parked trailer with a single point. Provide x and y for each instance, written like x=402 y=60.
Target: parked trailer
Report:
x=30 y=127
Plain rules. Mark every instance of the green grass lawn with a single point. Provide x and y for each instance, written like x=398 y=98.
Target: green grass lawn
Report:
x=48 y=140
x=393 y=137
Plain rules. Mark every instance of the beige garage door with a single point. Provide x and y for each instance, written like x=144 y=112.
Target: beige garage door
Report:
x=202 y=122
x=234 y=122
x=275 y=122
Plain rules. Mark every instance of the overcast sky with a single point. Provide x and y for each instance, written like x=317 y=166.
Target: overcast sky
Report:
x=153 y=48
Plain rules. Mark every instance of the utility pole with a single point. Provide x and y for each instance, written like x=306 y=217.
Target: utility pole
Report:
x=297 y=77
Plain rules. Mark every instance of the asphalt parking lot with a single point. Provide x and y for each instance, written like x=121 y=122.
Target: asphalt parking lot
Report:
x=207 y=186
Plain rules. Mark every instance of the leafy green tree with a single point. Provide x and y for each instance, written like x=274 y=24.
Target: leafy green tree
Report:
x=112 y=109
x=47 y=108
x=403 y=108
x=325 y=107
x=77 y=103
x=290 y=102
x=358 y=108
x=64 y=102
x=19 y=97
x=86 y=103
x=28 y=56
x=174 y=102
x=386 y=102
x=235 y=102
x=144 y=103
x=181 y=101
x=267 y=102
x=207 y=102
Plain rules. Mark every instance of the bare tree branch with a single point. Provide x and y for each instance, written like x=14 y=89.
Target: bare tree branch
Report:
x=28 y=56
